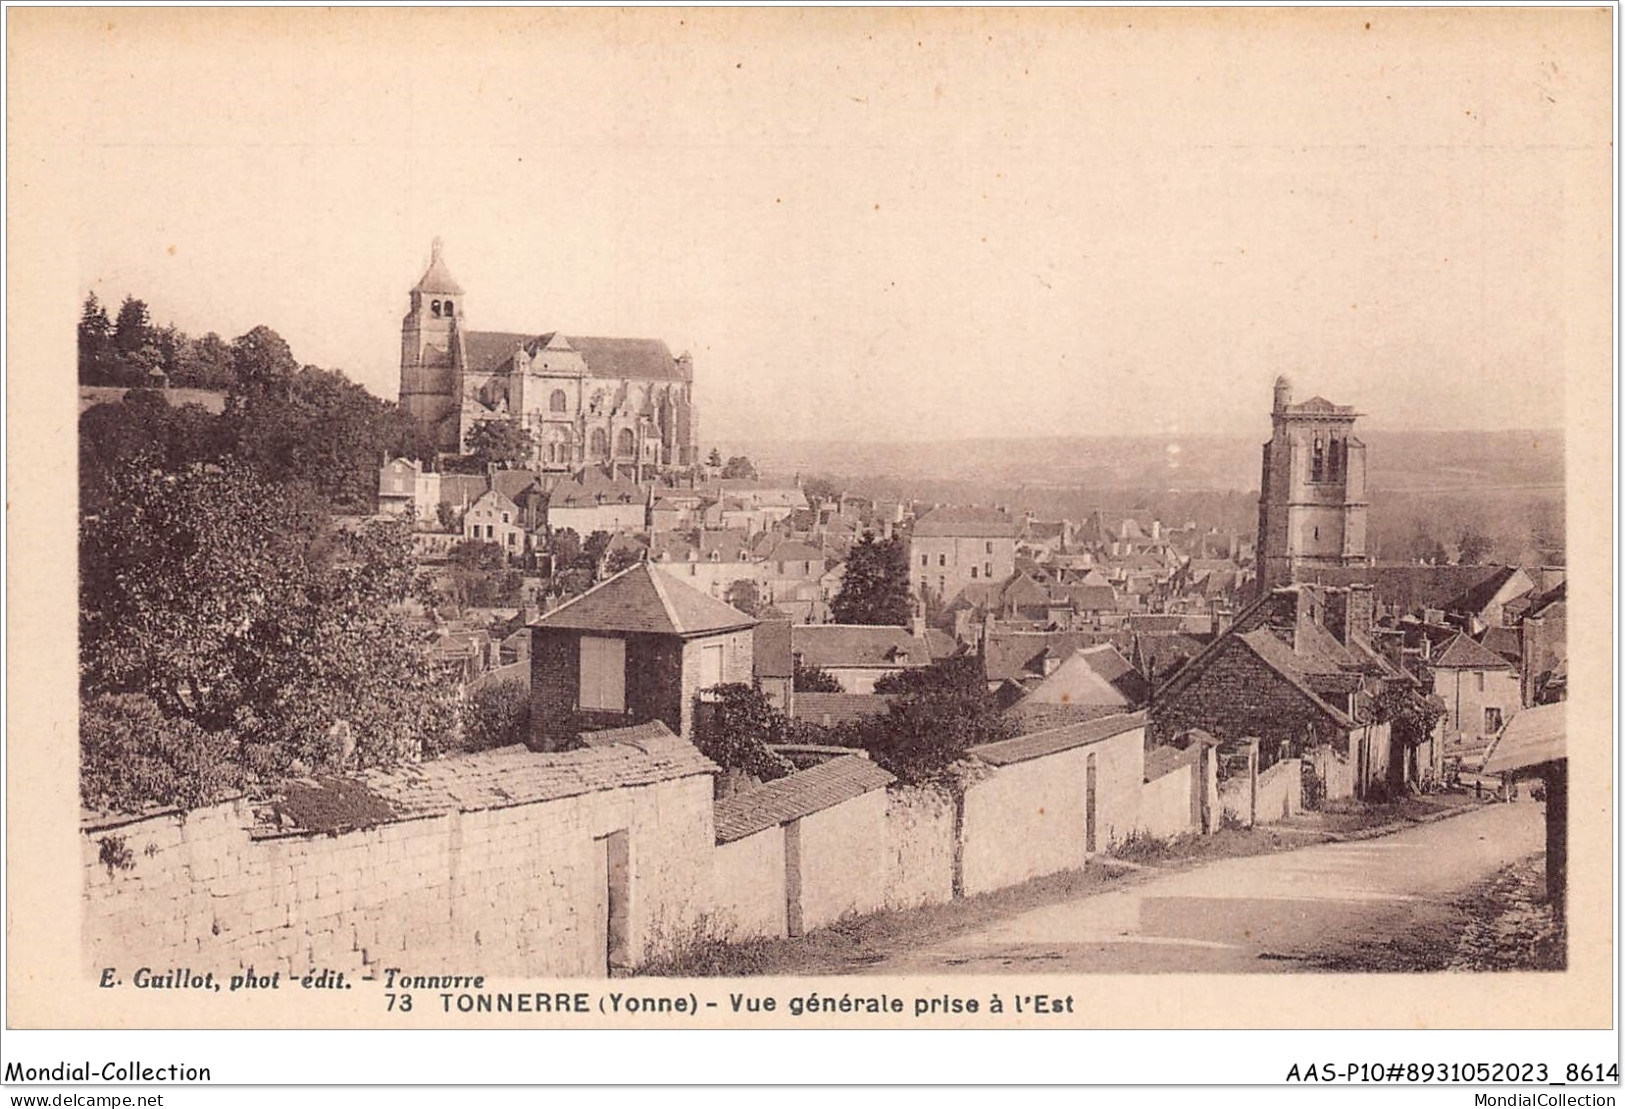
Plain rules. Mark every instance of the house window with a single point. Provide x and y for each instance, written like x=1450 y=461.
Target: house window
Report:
x=490 y=531
x=505 y=518
x=710 y=665
x=973 y=573
x=603 y=673
x=989 y=548
x=1479 y=680
x=1492 y=721
x=557 y=401
x=942 y=560
x=987 y=571
x=925 y=560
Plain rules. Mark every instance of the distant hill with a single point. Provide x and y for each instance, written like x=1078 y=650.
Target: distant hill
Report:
x=1399 y=460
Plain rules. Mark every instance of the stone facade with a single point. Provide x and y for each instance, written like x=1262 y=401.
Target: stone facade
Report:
x=663 y=678
x=1312 y=501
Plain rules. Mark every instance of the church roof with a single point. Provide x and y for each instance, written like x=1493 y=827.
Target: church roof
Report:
x=639 y=359
x=1320 y=406
x=437 y=278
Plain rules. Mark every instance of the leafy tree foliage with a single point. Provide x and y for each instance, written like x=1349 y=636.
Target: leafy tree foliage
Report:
x=737 y=723
x=96 y=352
x=941 y=711
x=593 y=552
x=875 y=587
x=477 y=554
x=131 y=756
x=814 y=679
x=232 y=604
x=820 y=489
x=564 y=545
x=740 y=468
x=714 y=459
x=496 y=715
x=745 y=596
x=261 y=360
x=621 y=558
x=501 y=443
x=1474 y=547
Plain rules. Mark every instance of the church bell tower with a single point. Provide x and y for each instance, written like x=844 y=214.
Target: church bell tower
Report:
x=1312 y=500
x=431 y=352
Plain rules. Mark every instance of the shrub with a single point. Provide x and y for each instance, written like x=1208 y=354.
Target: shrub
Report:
x=133 y=757
x=496 y=715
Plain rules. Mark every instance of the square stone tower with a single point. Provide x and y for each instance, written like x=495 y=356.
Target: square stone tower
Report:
x=1312 y=501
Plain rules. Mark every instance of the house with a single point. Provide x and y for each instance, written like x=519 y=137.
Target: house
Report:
x=1484 y=604
x=953 y=547
x=404 y=486
x=495 y=519
x=1544 y=666
x=1298 y=669
x=1480 y=691
x=593 y=501
x=640 y=646
x=858 y=655
x=1091 y=682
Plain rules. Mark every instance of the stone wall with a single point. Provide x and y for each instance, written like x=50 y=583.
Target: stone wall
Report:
x=843 y=860
x=520 y=890
x=1165 y=803
x=1029 y=818
x=919 y=847
x=1280 y=791
x=749 y=883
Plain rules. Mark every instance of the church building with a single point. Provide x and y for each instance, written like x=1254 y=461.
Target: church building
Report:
x=622 y=405
x=1312 y=502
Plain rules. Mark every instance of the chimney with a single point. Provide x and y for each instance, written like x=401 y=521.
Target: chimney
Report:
x=1218 y=617
x=1156 y=529
x=1361 y=610
x=917 y=622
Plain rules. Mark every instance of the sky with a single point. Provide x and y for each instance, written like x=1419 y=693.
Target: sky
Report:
x=890 y=225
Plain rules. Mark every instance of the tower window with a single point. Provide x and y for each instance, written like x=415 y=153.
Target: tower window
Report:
x=1317 y=471
x=1334 y=460
x=557 y=402
x=435 y=308
x=448 y=308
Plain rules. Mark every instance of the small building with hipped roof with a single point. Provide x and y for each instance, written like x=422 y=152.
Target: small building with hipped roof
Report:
x=637 y=647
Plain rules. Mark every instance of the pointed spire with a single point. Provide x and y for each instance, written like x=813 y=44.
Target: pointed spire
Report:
x=437 y=279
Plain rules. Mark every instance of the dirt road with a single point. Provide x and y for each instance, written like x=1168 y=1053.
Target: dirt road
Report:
x=1375 y=904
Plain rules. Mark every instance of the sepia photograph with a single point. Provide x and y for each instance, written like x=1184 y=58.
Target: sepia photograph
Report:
x=990 y=518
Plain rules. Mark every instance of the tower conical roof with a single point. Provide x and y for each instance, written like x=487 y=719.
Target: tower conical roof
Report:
x=437 y=278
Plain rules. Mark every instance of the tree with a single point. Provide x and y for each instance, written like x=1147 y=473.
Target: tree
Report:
x=95 y=343
x=814 y=679
x=940 y=712
x=593 y=552
x=565 y=547
x=740 y=468
x=131 y=756
x=622 y=558
x=496 y=715
x=745 y=596
x=449 y=517
x=261 y=360
x=133 y=329
x=818 y=489
x=1474 y=547
x=501 y=443
x=874 y=589
x=231 y=603
x=736 y=726
x=477 y=554
x=714 y=459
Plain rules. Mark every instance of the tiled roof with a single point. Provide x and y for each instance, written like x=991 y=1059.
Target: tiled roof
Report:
x=974 y=523
x=1017 y=655
x=1156 y=623
x=1532 y=737
x=1095 y=676
x=797 y=795
x=792 y=550
x=1506 y=642
x=1478 y=597
x=495 y=779
x=1462 y=653
x=1038 y=744
x=637 y=359
x=1405 y=588
x=1088 y=598
x=829 y=709
x=1320 y=406
x=511 y=483
x=846 y=645
x=644 y=599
